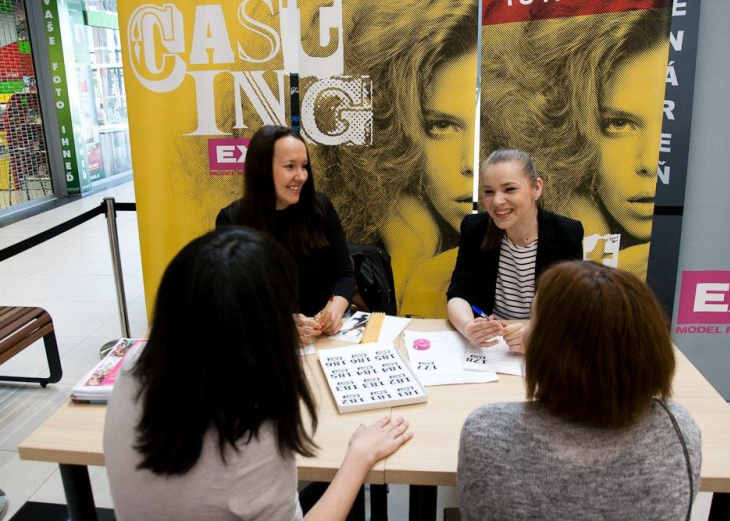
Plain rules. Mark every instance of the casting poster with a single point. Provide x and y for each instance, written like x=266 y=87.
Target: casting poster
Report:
x=387 y=100
x=387 y=93
x=580 y=84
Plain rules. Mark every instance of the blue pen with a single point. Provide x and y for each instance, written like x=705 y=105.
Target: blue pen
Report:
x=480 y=313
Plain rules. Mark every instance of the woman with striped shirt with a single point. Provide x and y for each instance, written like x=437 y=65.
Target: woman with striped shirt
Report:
x=502 y=251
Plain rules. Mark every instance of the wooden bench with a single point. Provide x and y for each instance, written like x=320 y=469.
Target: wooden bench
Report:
x=21 y=327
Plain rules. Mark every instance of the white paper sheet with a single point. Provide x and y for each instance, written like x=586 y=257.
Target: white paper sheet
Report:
x=392 y=327
x=443 y=362
x=498 y=359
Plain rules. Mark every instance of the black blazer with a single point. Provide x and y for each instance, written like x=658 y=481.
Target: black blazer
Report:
x=475 y=275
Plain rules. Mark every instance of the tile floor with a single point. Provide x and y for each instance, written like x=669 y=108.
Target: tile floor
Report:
x=71 y=277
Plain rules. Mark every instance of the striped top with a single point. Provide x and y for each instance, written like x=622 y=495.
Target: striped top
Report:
x=515 y=280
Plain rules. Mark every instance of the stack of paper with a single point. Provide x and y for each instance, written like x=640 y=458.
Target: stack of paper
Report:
x=97 y=385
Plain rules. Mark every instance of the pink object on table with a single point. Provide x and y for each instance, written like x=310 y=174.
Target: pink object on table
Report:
x=421 y=344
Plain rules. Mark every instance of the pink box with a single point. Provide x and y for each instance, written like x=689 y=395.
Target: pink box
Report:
x=704 y=298
x=228 y=153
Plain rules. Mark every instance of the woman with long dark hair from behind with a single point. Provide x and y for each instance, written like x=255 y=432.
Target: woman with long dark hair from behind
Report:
x=598 y=438
x=205 y=420
x=279 y=198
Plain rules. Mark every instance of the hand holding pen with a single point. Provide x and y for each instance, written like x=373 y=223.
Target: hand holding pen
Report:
x=483 y=330
x=512 y=333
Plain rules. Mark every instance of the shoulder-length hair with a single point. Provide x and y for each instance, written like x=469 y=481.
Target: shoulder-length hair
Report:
x=543 y=90
x=222 y=353
x=598 y=350
x=400 y=46
x=258 y=205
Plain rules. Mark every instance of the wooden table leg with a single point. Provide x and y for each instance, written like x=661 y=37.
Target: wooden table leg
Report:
x=720 y=507
x=422 y=503
x=79 y=496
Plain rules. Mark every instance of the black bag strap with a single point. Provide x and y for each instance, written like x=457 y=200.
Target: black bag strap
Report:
x=686 y=454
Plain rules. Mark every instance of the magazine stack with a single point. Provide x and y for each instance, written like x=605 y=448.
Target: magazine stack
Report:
x=97 y=385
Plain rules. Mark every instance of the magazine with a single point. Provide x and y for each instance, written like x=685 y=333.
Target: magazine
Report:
x=97 y=385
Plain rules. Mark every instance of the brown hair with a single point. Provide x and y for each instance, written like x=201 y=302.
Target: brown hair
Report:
x=494 y=234
x=599 y=348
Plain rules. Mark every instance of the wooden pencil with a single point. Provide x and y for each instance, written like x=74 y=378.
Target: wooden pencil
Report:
x=372 y=330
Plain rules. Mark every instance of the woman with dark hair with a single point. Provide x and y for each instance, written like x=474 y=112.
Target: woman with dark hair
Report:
x=598 y=438
x=205 y=420
x=279 y=198
x=503 y=251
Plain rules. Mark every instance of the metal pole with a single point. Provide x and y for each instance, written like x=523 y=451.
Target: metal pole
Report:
x=111 y=222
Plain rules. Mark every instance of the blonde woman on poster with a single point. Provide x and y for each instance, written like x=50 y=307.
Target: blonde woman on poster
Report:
x=585 y=96
x=410 y=189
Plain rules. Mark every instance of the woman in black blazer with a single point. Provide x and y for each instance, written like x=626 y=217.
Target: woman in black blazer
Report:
x=502 y=251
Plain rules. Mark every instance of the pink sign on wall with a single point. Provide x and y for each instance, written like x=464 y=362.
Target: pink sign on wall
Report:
x=704 y=298
x=227 y=154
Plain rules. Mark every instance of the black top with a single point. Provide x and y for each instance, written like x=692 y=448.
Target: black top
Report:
x=475 y=275
x=323 y=272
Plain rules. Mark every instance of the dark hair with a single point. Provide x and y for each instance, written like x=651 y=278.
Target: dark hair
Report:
x=222 y=352
x=259 y=196
x=599 y=348
x=494 y=234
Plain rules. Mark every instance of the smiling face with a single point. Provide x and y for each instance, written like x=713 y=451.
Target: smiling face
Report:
x=289 y=167
x=448 y=116
x=508 y=195
x=631 y=122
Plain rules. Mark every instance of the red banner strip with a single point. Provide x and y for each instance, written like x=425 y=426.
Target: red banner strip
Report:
x=507 y=11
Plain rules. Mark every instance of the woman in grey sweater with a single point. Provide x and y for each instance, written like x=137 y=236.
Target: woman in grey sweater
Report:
x=598 y=440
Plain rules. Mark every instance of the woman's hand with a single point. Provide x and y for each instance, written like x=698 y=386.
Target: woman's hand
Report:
x=330 y=318
x=381 y=439
x=367 y=446
x=308 y=328
x=513 y=334
x=482 y=332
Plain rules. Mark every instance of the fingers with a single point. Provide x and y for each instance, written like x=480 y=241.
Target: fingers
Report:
x=480 y=331
x=308 y=328
x=489 y=343
x=330 y=322
x=335 y=327
x=513 y=333
x=325 y=319
x=398 y=427
x=517 y=348
x=382 y=422
x=406 y=436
